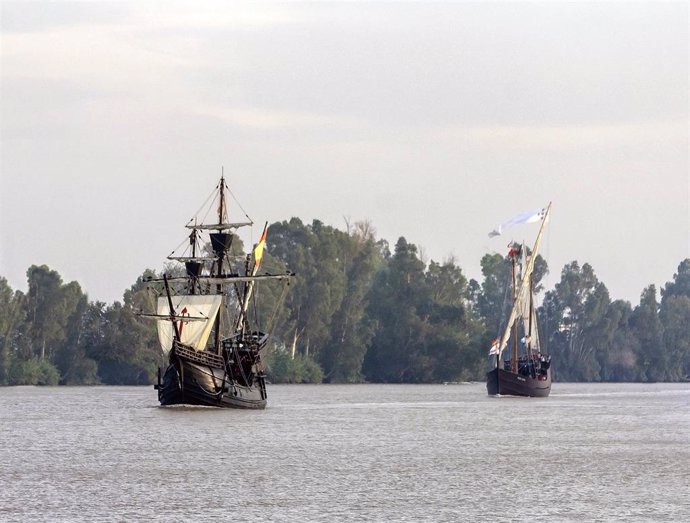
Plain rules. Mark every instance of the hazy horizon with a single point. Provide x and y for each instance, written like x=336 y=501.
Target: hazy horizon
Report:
x=434 y=121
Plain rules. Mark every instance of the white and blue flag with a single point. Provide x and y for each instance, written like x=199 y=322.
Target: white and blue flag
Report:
x=524 y=217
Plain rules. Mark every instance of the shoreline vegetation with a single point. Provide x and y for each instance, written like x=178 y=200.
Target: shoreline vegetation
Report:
x=359 y=311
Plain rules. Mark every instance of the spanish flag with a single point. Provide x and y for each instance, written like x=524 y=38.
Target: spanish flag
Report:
x=259 y=249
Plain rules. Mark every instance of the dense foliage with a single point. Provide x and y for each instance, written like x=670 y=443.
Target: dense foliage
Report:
x=357 y=312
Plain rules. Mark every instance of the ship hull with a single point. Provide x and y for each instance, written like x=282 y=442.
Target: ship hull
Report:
x=505 y=383
x=187 y=383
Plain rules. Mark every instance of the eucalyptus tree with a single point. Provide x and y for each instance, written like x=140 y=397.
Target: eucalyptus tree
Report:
x=575 y=312
x=494 y=297
x=50 y=322
x=313 y=252
x=69 y=355
x=649 y=331
x=618 y=357
x=454 y=332
x=12 y=315
x=680 y=286
x=351 y=330
x=45 y=312
x=397 y=293
x=674 y=314
x=290 y=242
x=675 y=317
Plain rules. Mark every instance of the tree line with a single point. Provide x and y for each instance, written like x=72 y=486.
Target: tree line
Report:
x=357 y=311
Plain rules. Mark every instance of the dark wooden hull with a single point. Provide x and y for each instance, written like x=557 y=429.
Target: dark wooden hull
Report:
x=505 y=383
x=187 y=383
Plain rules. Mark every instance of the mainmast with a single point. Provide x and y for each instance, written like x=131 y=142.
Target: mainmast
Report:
x=221 y=235
x=193 y=266
x=514 y=356
x=220 y=247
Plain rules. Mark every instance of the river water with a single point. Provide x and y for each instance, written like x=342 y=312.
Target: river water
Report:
x=380 y=453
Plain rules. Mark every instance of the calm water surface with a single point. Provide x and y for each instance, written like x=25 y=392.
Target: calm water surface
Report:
x=348 y=453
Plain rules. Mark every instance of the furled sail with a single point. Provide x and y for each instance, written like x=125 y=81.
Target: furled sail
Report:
x=219 y=226
x=194 y=332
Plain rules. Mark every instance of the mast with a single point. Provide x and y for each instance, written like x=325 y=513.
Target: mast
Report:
x=222 y=198
x=513 y=359
x=221 y=255
x=531 y=314
x=524 y=283
x=191 y=266
x=176 y=332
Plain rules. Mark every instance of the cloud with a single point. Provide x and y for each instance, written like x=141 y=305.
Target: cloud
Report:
x=257 y=118
x=564 y=138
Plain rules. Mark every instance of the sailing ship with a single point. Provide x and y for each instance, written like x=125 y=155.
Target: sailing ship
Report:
x=205 y=322
x=527 y=372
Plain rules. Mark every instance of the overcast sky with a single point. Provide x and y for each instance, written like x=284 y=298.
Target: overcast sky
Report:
x=435 y=121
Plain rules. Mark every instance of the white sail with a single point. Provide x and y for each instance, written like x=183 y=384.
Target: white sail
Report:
x=193 y=333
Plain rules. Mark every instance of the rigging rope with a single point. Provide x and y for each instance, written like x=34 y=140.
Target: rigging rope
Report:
x=180 y=245
x=547 y=280
x=279 y=302
x=196 y=214
x=239 y=204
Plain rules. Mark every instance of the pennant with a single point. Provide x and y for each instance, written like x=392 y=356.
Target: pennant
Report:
x=525 y=217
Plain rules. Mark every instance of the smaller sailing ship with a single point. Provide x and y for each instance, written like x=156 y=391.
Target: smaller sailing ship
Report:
x=527 y=372
x=207 y=319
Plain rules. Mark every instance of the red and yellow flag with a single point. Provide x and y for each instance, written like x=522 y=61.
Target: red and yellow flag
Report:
x=259 y=249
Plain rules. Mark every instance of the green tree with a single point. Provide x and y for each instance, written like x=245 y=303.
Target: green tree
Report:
x=680 y=286
x=494 y=299
x=317 y=292
x=648 y=331
x=427 y=330
x=318 y=253
x=12 y=315
x=281 y=367
x=618 y=359
x=576 y=309
x=454 y=333
x=351 y=330
x=70 y=355
x=674 y=315
x=394 y=354
x=123 y=345
x=45 y=312
x=34 y=371
x=50 y=327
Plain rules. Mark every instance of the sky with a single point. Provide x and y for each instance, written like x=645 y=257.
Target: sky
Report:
x=433 y=121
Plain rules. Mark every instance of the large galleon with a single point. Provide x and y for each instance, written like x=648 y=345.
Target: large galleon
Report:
x=208 y=321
